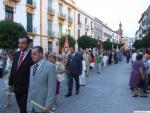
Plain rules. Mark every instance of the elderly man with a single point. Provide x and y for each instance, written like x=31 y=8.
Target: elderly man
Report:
x=42 y=85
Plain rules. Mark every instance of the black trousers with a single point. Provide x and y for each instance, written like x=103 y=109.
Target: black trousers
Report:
x=22 y=101
x=72 y=76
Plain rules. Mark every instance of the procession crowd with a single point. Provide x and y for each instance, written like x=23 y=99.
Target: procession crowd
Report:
x=35 y=76
x=140 y=73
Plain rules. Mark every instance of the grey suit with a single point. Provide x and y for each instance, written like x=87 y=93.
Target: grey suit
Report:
x=42 y=86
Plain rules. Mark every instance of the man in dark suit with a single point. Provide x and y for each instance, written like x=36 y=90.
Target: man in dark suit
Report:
x=74 y=69
x=20 y=71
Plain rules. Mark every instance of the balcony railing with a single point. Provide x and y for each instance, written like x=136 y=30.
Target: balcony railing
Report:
x=79 y=24
x=51 y=34
x=61 y=16
x=51 y=12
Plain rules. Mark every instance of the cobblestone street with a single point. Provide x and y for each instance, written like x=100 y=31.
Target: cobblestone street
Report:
x=104 y=93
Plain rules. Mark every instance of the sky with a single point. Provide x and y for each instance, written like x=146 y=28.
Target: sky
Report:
x=112 y=12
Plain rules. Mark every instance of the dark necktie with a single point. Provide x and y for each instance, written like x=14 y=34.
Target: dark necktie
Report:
x=35 y=69
x=20 y=60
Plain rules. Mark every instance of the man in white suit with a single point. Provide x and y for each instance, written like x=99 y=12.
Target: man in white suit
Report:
x=42 y=85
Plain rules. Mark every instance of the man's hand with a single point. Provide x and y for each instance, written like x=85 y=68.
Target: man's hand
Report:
x=11 y=88
x=46 y=110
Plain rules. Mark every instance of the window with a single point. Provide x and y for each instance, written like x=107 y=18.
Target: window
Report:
x=85 y=21
x=78 y=19
x=50 y=27
x=69 y=13
x=49 y=5
x=29 y=2
x=9 y=13
x=78 y=33
x=50 y=47
x=60 y=29
x=29 y=22
x=60 y=8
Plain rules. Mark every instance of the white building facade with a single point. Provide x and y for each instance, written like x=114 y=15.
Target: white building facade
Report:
x=44 y=20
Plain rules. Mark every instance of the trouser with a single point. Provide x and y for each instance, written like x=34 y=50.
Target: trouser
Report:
x=72 y=76
x=1 y=72
x=99 y=67
x=82 y=79
x=22 y=101
x=148 y=81
x=87 y=68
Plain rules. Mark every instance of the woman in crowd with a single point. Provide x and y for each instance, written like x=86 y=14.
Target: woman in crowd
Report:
x=60 y=69
x=137 y=79
x=128 y=56
x=99 y=63
x=10 y=55
x=105 y=59
x=92 y=61
x=82 y=76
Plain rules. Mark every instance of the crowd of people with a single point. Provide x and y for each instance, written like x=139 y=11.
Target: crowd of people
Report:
x=36 y=76
x=140 y=74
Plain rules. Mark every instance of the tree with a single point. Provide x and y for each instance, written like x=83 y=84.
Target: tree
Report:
x=107 y=45
x=71 y=40
x=86 y=42
x=138 y=44
x=9 y=34
x=146 y=41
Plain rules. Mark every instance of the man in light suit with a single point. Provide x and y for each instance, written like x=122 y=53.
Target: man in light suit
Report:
x=42 y=85
x=74 y=69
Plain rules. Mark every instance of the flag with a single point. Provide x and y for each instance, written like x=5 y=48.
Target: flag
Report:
x=66 y=46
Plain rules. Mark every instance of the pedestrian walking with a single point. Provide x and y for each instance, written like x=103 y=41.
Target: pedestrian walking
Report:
x=74 y=69
x=127 y=56
x=20 y=73
x=42 y=87
x=60 y=69
x=99 y=63
x=92 y=60
x=82 y=76
x=9 y=62
x=105 y=59
x=137 y=79
x=110 y=58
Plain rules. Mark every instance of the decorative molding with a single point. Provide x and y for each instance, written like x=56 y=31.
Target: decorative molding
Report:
x=35 y=34
x=9 y=3
x=30 y=8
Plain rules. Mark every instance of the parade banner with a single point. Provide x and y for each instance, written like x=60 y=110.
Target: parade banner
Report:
x=66 y=46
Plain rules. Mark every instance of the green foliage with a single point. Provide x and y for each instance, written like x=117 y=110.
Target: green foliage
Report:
x=107 y=45
x=9 y=33
x=86 y=42
x=143 y=43
x=71 y=40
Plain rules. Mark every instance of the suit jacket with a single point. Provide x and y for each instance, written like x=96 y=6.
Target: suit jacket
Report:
x=20 y=78
x=42 y=86
x=74 y=64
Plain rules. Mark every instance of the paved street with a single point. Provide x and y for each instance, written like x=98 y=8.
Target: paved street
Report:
x=105 y=93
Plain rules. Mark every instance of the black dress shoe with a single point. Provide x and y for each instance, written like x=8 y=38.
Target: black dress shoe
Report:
x=68 y=95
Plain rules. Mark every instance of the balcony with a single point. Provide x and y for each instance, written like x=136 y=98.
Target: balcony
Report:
x=61 y=16
x=10 y=3
x=70 y=21
x=16 y=1
x=79 y=24
x=51 y=35
x=87 y=27
x=51 y=12
x=30 y=7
